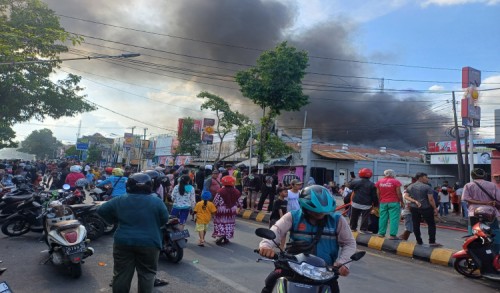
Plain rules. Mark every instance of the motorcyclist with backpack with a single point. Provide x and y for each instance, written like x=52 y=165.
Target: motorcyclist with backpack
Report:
x=335 y=243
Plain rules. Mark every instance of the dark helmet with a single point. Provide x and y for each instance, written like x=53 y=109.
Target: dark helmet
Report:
x=139 y=183
x=19 y=179
x=318 y=199
x=155 y=177
x=485 y=213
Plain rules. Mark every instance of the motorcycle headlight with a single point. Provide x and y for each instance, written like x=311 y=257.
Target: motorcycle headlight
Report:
x=311 y=272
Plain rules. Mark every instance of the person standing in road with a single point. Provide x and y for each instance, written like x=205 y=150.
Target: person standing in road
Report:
x=268 y=189
x=482 y=193
x=444 y=201
x=422 y=205
x=364 y=198
x=184 y=200
x=204 y=211
x=293 y=195
x=391 y=202
x=227 y=203
x=287 y=178
x=138 y=240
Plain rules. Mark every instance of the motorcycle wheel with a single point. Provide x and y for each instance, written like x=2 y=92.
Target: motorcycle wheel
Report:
x=16 y=226
x=467 y=267
x=173 y=252
x=75 y=270
x=94 y=226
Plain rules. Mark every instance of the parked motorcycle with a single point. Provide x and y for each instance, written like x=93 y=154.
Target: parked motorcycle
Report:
x=302 y=272
x=26 y=218
x=109 y=228
x=174 y=240
x=10 y=201
x=477 y=258
x=66 y=238
x=87 y=215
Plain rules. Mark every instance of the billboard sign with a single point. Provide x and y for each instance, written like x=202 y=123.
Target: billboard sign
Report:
x=82 y=146
x=208 y=130
x=470 y=76
x=128 y=140
x=451 y=159
x=163 y=146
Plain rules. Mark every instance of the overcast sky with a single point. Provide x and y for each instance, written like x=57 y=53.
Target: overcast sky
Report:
x=417 y=47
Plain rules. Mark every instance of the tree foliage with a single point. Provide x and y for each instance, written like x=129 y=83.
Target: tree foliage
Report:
x=30 y=32
x=189 y=139
x=41 y=143
x=94 y=154
x=275 y=84
x=227 y=119
x=72 y=151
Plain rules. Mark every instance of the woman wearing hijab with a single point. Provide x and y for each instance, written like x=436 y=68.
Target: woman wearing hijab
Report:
x=227 y=203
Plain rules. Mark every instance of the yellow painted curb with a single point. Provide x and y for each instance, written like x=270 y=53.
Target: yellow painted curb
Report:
x=406 y=249
x=260 y=216
x=441 y=256
x=247 y=214
x=376 y=242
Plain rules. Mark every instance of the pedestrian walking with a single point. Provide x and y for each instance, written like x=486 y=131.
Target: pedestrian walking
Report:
x=444 y=201
x=293 y=195
x=363 y=199
x=183 y=200
x=422 y=205
x=204 y=211
x=138 y=240
x=480 y=193
x=227 y=203
x=391 y=202
x=268 y=189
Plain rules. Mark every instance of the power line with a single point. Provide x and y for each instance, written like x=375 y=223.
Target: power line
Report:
x=261 y=50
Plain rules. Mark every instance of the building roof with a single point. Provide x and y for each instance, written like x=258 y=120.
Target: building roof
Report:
x=341 y=155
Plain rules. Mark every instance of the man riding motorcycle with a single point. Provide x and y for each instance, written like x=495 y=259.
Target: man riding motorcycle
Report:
x=317 y=211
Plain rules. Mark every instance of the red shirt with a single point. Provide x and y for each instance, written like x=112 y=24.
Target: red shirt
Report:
x=387 y=187
x=73 y=177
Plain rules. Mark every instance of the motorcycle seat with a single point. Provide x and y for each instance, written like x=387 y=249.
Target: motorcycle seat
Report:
x=64 y=225
x=14 y=198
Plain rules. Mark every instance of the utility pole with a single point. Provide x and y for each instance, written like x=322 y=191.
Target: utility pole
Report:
x=128 y=151
x=461 y=177
x=251 y=146
x=141 y=150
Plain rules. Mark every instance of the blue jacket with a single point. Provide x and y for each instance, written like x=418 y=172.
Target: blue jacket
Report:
x=140 y=218
x=327 y=247
x=120 y=187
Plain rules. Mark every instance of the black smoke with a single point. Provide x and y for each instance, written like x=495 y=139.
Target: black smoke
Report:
x=341 y=109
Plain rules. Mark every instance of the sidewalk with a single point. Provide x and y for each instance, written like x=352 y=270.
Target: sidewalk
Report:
x=449 y=233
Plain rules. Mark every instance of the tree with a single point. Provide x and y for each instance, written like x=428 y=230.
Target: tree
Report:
x=72 y=152
x=189 y=139
x=94 y=154
x=41 y=143
x=30 y=32
x=227 y=119
x=275 y=83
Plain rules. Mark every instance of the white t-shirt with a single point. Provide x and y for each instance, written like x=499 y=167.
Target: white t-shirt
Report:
x=293 y=201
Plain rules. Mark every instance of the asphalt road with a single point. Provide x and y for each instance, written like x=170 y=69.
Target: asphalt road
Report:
x=230 y=268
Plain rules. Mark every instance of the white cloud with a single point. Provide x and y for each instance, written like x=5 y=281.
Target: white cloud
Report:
x=436 y=88
x=458 y=2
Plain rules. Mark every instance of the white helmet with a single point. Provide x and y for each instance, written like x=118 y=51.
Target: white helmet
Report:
x=76 y=169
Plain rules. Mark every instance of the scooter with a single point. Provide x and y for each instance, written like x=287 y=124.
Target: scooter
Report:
x=174 y=240
x=66 y=238
x=477 y=258
x=302 y=272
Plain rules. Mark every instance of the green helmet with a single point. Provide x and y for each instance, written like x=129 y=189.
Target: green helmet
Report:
x=318 y=199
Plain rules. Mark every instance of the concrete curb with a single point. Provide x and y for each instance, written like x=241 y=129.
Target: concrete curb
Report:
x=435 y=255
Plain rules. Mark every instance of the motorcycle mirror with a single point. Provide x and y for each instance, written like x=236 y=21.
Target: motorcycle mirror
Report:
x=358 y=255
x=265 y=233
x=66 y=187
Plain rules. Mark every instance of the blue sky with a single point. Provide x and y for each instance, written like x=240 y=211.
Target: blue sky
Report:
x=434 y=33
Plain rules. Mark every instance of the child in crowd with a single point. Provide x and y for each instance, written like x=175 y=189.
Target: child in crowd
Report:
x=279 y=209
x=204 y=211
x=406 y=214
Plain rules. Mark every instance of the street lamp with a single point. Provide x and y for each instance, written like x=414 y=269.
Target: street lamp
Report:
x=125 y=55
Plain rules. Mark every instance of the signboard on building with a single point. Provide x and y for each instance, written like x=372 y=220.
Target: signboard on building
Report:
x=163 y=146
x=451 y=146
x=82 y=146
x=128 y=140
x=470 y=76
x=451 y=159
x=180 y=125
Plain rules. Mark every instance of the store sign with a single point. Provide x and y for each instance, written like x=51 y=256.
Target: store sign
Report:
x=483 y=158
